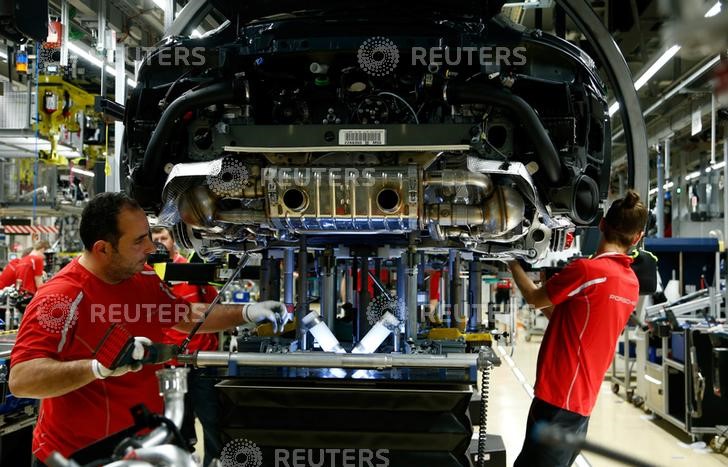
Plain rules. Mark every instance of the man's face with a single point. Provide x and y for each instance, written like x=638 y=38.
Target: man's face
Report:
x=165 y=239
x=130 y=254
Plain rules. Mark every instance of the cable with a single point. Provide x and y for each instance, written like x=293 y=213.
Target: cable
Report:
x=242 y=262
x=391 y=94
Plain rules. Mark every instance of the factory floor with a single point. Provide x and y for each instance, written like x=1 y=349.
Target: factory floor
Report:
x=614 y=423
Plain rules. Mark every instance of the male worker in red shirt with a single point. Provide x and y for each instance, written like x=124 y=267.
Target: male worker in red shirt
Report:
x=592 y=300
x=10 y=271
x=201 y=398
x=60 y=350
x=30 y=268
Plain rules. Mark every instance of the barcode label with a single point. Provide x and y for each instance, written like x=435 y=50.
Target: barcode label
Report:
x=362 y=137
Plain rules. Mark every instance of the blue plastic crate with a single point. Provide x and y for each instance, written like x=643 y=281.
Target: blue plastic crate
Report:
x=678 y=346
x=654 y=354
x=632 y=349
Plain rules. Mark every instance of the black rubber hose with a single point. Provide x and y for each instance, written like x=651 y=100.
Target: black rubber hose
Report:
x=461 y=93
x=213 y=94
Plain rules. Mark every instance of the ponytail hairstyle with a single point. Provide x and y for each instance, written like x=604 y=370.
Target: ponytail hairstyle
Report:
x=625 y=218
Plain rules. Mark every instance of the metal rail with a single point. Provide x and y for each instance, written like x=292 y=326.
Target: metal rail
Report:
x=332 y=360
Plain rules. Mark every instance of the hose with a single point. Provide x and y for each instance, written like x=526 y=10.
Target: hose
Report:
x=462 y=93
x=153 y=162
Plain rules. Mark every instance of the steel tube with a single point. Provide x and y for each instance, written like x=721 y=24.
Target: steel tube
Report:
x=328 y=298
x=411 y=272
x=330 y=360
x=660 y=195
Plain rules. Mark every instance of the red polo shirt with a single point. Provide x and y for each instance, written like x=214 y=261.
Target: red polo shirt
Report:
x=9 y=274
x=65 y=321
x=193 y=294
x=27 y=270
x=592 y=299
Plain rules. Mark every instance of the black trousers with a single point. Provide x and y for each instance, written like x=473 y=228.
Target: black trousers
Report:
x=534 y=454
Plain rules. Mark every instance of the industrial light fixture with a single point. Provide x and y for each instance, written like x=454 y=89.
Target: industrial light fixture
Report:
x=78 y=171
x=76 y=49
x=649 y=73
x=660 y=62
x=714 y=10
x=692 y=175
x=196 y=33
x=87 y=56
x=655 y=67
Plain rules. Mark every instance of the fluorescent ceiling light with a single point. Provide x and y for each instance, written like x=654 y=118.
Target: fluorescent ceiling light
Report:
x=692 y=175
x=666 y=186
x=719 y=165
x=161 y=4
x=196 y=33
x=714 y=10
x=664 y=58
x=88 y=173
x=613 y=108
x=131 y=83
x=73 y=48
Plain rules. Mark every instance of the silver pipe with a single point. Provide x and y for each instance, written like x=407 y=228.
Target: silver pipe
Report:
x=458 y=178
x=241 y=215
x=660 y=195
x=64 y=41
x=165 y=455
x=172 y=387
x=288 y=260
x=712 y=128
x=328 y=300
x=330 y=360
x=411 y=294
x=125 y=463
x=401 y=294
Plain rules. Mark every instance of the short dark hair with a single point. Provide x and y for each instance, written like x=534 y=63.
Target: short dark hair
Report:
x=625 y=218
x=99 y=218
x=162 y=228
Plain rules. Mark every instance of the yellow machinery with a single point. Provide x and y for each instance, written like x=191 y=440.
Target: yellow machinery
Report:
x=473 y=340
x=63 y=107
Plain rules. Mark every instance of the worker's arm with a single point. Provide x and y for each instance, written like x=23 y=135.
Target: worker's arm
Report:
x=41 y=378
x=38 y=281
x=534 y=295
x=228 y=316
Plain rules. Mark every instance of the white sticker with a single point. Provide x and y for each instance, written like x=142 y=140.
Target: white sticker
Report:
x=362 y=137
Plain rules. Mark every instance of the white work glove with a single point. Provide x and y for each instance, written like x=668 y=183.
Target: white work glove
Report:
x=101 y=372
x=269 y=310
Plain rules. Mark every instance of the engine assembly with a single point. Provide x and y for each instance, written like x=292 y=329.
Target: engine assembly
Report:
x=289 y=135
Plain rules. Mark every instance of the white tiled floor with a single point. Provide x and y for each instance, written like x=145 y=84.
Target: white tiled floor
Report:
x=614 y=423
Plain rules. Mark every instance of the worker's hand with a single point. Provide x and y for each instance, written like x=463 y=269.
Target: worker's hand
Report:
x=137 y=354
x=269 y=310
